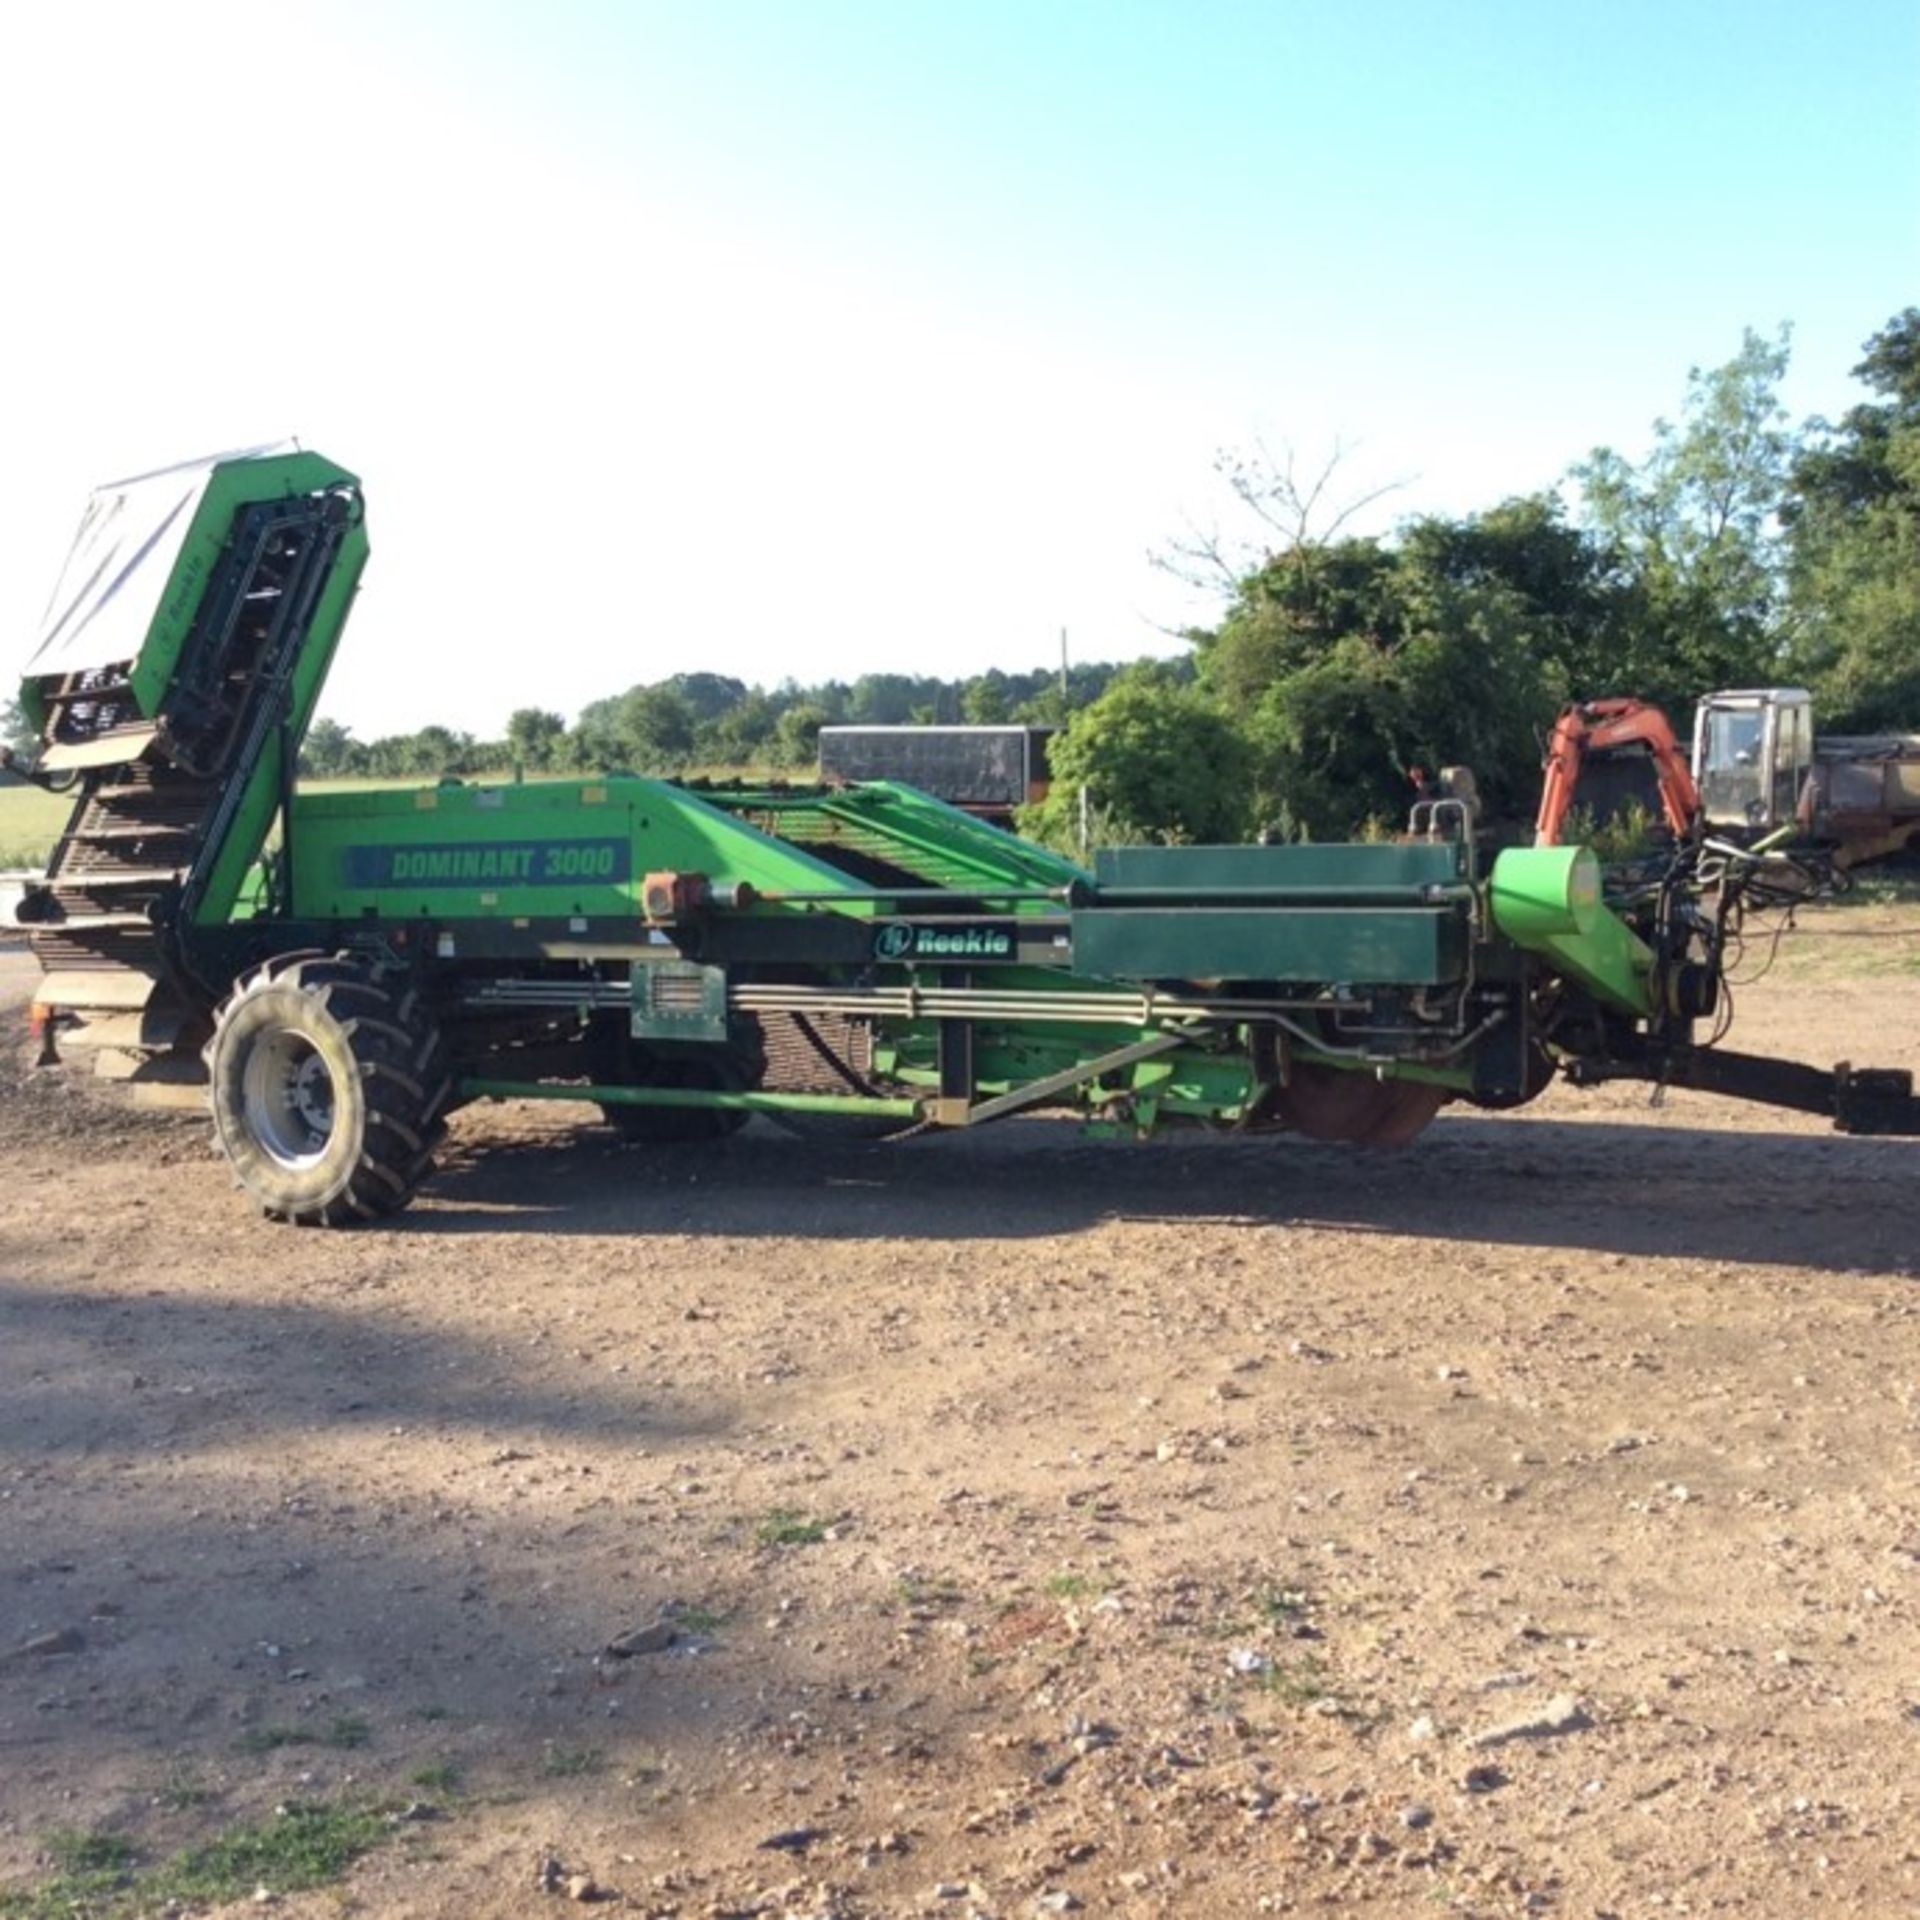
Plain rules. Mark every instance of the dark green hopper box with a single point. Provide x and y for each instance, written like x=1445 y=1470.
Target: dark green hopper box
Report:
x=1389 y=915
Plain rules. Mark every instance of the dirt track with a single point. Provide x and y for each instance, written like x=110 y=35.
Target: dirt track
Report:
x=1143 y=1527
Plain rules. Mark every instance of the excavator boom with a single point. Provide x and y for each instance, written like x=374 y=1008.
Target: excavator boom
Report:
x=1603 y=726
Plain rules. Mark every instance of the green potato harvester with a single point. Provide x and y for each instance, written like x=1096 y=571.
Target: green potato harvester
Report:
x=333 y=972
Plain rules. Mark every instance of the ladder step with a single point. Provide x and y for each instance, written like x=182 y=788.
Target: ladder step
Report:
x=92 y=923
x=98 y=879
x=147 y=1029
x=107 y=750
x=109 y=987
x=148 y=830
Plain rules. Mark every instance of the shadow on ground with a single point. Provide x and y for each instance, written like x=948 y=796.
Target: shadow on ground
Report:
x=1596 y=1185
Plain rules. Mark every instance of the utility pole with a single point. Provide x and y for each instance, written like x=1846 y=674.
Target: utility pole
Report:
x=1063 y=673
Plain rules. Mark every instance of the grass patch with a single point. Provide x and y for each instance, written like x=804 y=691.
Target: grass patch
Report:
x=346 y=1730
x=87 y=1852
x=1076 y=1586
x=569 y=1763
x=1281 y=1606
x=181 y=1791
x=1299 y=1685
x=789 y=1527
x=30 y=822
x=272 y=1739
x=302 y=1845
x=914 y=1592
x=1872 y=933
x=699 y=1620
x=1881 y=887
x=92 y=1873
x=438 y=1776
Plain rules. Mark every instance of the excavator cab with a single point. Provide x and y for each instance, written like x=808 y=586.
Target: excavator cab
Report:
x=1753 y=756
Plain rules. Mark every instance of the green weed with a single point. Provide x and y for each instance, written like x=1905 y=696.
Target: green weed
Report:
x=915 y=1592
x=1281 y=1605
x=789 y=1527
x=181 y=1791
x=1075 y=1586
x=91 y=1874
x=76 y=1851
x=271 y=1739
x=345 y=1730
x=302 y=1845
x=1299 y=1685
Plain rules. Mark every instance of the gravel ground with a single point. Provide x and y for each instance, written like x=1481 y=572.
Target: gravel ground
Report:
x=1524 y=1522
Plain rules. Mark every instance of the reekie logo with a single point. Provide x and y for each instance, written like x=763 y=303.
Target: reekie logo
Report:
x=899 y=941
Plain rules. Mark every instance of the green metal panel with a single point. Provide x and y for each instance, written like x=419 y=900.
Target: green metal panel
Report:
x=137 y=585
x=146 y=550
x=231 y=485
x=253 y=819
x=563 y=847
x=675 y=1000
x=900 y=827
x=1192 y=872
x=1547 y=899
x=1391 y=914
x=1385 y=946
x=695 y=1098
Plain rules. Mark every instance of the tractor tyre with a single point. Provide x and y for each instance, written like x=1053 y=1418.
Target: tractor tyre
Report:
x=620 y=1061
x=329 y=1088
x=1536 y=1080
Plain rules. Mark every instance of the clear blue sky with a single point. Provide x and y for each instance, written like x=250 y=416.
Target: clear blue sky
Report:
x=814 y=339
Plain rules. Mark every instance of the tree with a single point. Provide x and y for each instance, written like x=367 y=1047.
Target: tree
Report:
x=433 y=752
x=593 y=744
x=14 y=730
x=1464 y=679
x=533 y=737
x=796 y=735
x=708 y=695
x=1277 y=508
x=1583 y=608
x=1347 y=665
x=1293 y=610
x=1853 y=465
x=985 y=700
x=882 y=700
x=743 y=736
x=1696 y=524
x=442 y=750
x=329 y=750
x=1157 y=760
x=654 y=729
x=1853 y=517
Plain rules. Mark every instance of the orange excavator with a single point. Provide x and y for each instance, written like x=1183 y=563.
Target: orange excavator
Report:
x=1614 y=728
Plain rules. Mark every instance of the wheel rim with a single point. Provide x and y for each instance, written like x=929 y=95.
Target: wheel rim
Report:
x=287 y=1096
